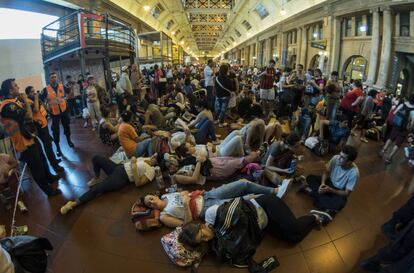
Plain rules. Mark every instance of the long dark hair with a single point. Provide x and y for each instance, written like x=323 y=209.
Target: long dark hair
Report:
x=188 y=235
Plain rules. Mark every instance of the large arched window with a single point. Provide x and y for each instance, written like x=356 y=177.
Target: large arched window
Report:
x=355 y=68
x=402 y=84
x=314 y=63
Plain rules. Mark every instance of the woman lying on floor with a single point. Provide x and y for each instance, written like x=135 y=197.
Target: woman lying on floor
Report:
x=196 y=170
x=179 y=208
x=138 y=170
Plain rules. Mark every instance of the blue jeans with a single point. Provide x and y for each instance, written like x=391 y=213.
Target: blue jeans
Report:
x=232 y=145
x=218 y=196
x=221 y=108
x=306 y=125
x=205 y=129
x=144 y=148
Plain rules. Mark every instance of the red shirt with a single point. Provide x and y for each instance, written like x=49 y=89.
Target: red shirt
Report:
x=266 y=81
x=350 y=98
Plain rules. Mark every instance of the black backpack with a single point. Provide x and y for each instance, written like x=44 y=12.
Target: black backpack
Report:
x=28 y=253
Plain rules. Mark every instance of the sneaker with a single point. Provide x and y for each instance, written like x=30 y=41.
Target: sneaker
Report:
x=221 y=125
x=93 y=182
x=67 y=207
x=216 y=122
x=283 y=188
x=93 y=129
x=240 y=264
x=323 y=217
x=225 y=124
x=363 y=139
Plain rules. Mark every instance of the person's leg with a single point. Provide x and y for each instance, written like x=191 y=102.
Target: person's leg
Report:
x=273 y=177
x=56 y=130
x=102 y=163
x=210 y=98
x=230 y=137
x=34 y=163
x=217 y=107
x=283 y=222
x=237 y=189
x=143 y=148
x=233 y=147
x=92 y=114
x=66 y=127
x=96 y=107
x=203 y=129
x=306 y=127
x=43 y=134
x=225 y=103
x=43 y=161
x=115 y=181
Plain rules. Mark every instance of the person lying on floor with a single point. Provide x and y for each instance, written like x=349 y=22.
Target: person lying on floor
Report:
x=236 y=226
x=331 y=190
x=232 y=145
x=196 y=170
x=278 y=159
x=179 y=208
x=252 y=134
x=140 y=171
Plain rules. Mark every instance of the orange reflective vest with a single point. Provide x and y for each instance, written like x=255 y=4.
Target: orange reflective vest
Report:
x=39 y=116
x=56 y=100
x=13 y=130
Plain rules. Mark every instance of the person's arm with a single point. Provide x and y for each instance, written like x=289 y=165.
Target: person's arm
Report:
x=183 y=179
x=29 y=113
x=326 y=173
x=170 y=221
x=36 y=103
x=269 y=166
x=358 y=101
x=188 y=217
x=195 y=121
x=338 y=192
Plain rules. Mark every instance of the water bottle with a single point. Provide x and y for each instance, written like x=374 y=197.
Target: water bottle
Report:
x=293 y=165
x=158 y=178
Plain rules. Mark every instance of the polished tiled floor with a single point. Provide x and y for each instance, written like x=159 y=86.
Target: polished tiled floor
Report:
x=100 y=237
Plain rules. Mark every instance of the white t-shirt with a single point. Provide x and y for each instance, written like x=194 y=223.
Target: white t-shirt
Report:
x=343 y=178
x=262 y=219
x=175 y=205
x=143 y=169
x=188 y=170
x=208 y=76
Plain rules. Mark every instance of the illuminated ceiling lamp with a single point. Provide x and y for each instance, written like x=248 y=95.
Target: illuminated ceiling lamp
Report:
x=172 y=33
x=282 y=10
x=147 y=8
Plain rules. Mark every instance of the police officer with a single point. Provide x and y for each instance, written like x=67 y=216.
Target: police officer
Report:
x=54 y=95
x=14 y=115
x=40 y=120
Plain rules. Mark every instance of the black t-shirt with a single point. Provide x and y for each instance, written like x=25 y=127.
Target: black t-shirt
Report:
x=276 y=149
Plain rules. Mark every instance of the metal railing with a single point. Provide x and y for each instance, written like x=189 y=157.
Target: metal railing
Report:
x=83 y=29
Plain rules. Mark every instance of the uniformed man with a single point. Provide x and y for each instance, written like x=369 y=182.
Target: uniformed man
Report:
x=54 y=97
x=14 y=115
x=40 y=120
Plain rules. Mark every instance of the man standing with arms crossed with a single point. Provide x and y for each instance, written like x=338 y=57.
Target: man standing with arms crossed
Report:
x=54 y=95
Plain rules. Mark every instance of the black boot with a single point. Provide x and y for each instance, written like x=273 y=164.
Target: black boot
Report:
x=58 y=151
x=70 y=143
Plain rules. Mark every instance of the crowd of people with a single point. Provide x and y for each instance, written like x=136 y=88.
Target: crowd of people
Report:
x=165 y=119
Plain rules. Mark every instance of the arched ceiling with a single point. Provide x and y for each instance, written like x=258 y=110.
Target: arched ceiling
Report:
x=210 y=27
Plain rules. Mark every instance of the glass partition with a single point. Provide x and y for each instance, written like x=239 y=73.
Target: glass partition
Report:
x=155 y=47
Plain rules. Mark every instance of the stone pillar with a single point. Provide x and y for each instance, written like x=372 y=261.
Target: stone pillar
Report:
x=353 y=32
x=328 y=35
x=298 y=45
x=397 y=25
x=303 y=47
x=365 y=23
x=386 y=48
x=269 y=49
x=283 y=53
x=336 y=45
x=375 y=43
x=412 y=23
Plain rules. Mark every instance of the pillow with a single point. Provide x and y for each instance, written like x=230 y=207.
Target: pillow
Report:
x=145 y=219
x=177 y=253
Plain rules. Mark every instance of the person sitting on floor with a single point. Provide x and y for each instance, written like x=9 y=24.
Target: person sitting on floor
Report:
x=335 y=131
x=278 y=159
x=331 y=190
x=140 y=171
x=176 y=208
x=108 y=133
